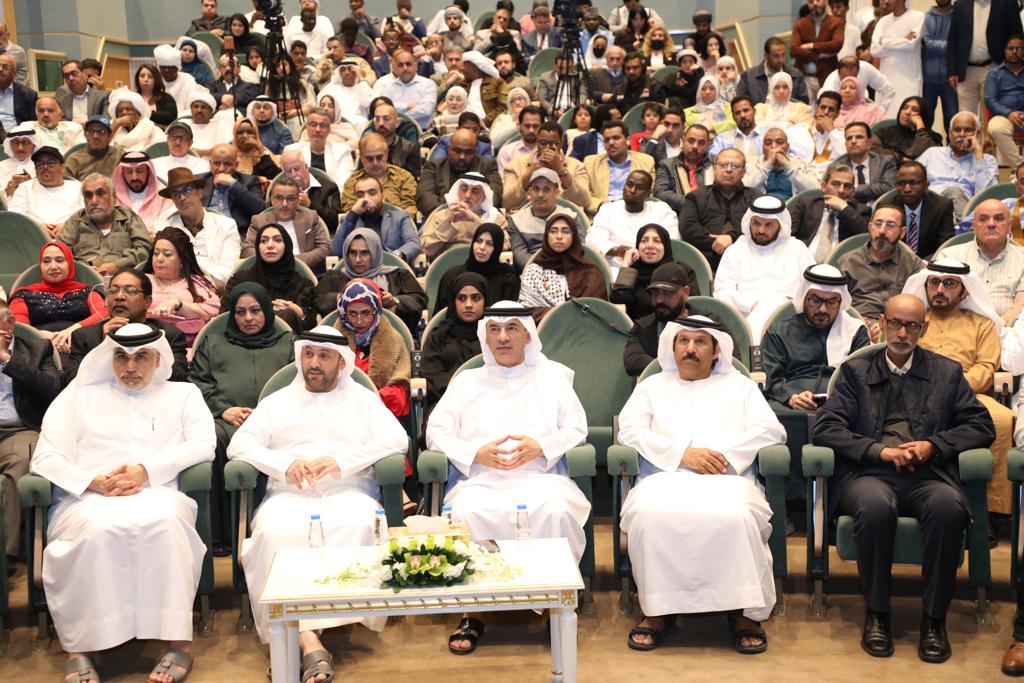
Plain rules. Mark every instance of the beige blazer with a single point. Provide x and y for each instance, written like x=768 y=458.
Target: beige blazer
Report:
x=599 y=173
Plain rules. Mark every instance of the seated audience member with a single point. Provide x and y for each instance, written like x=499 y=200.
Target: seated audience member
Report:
x=310 y=240
x=253 y=158
x=453 y=341
x=820 y=229
x=397 y=184
x=230 y=368
x=17 y=167
x=572 y=176
x=615 y=226
x=273 y=133
x=747 y=136
x=210 y=126
x=526 y=226
x=208 y=22
x=439 y=175
x=928 y=216
x=394 y=226
x=592 y=141
x=800 y=351
x=215 y=240
x=412 y=94
x=230 y=192
x=57 y=305
x=52 y=130
x=401 y=152
x=484 y=259
x=468 y=204
x=868 y=484
x=544 y=35
x=855 y=107
x=446 y=122
x=823 y=142
x=274 y=270
x=491 y=422
x=364 y=258
x=711 y=111
x=320 y=194
x=725 y=519
x=284 y=437
x=875 y=173
x=763 y=269
x=193 y=64
x=779 y=108
x=469 y=121
x=688 y=170
x=651 y=250
x=555 y=88
x=1003 y=99
x=777 y=172
x=330 y=156
x=711 y=215
x=49 y=199
x=560 y=271
x=481 y=76
x=670 y=287
x=379 y=349
x=98 y=155
x=756 y=84
x=137 y=188
x=608 y=79
x=528 y=122
x=130 y=118
x=118 y=523
x=21 y=106
x=608 y=170
x=728 y=77
x=658 y=49
x=910 y=137
x=104 y=235
x=962 y=169
x=666 y=141
x=232 y=92
x=867 y=75
x=182 y=295
x=180 y=154
x=639 y=86
x=350 y=92
x=149 y=84
x=128 y=297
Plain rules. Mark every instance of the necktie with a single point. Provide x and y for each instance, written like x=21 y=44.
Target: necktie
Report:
x=861 y=180
x=825 y=237
x=912 y=233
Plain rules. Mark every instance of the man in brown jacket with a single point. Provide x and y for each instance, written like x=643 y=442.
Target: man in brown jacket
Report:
x=493 y=88
x=814 y=44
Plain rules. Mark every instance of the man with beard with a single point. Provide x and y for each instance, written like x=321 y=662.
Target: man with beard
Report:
x=393 y=225
x=488 y=93
x=687 y=171
x=615 y=226
x=320 y=196
x=468 y=204
x=746 y=136
x=138 y=189
x=98 y=155
x=401 y=152
x=962 y=169
x=530 y=118
x=178 y=83
x=230 y=192
x=669 y=290
x=754 y=81
x=274 y=135
x=214 y=237
x=876 y=173
x=823 y=222
x=455 y=33
x=439 y=174
x=879 y=269
x=398 y=185
x=105 y=236
x=814 y=44
x=505 y=63
x=571 y=174
x=639 y=86
x=412 y=94
x=777 y=172
x=49 y=199
x=608 y=170
x=593 y=26
x=350 y=92
x=51 y=130
x=666 y=142
x=711 y=215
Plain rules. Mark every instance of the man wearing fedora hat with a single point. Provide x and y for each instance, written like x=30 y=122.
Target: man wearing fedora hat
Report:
x=49 y=198
x=214 y=237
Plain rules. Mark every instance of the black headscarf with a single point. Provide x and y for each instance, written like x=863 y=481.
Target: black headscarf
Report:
x=268 y=334
x=493 y=265
x=278 y=276
x=453 y=325
x=646 y=269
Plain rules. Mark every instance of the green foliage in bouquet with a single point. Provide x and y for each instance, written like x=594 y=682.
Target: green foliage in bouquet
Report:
x=425 y=561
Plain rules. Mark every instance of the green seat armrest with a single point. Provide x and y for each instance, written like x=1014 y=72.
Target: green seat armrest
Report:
x=818 y=461
x=432 y=466
x=390 y=470
x=623 y=460
x=976 y=465
x=240 y=476
x=1015 y=465
x=773 y=460
x=34 y=491
x=582 y=461
x=196 y=478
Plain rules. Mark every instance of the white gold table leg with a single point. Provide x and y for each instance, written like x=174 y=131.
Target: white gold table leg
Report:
x=294 y=659
x=567 y=620
x=556 y=645
x=279 y=653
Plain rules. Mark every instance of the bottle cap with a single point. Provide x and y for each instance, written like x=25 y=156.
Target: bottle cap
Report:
x=521 y=506
x=314 y=518
x=380 y=511
x=446 y=508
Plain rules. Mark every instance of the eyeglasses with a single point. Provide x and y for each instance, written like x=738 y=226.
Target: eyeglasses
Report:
x=317 y=125
x=182 y=192
x=1015 y=48
x=4 y=68
x=818 y=302
x=47 y=163
x=360 y=315
x=894 y=325
x=888 y=225
x=947 y=282
x=179 y=138
x=127 y=291
x=285 y=199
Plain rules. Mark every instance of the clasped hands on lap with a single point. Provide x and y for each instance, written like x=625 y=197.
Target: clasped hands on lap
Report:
x=312 y=472
x=523 y=451
x=906 y=455
x=126 y=480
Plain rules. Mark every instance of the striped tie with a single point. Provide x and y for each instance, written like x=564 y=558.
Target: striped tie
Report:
x=912 y=232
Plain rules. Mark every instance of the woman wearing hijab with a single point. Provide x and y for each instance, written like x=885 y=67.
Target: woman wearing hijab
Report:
x=468 y=203
x=130 y=119
x=364 y=258
x=711 y=110
x=182 y=295
x=728 y=76
x=854 y=107
x=454 y=340
x=909 y=138
x=560 y=271
x=244 y=38
x=192 y=64
x=447 y=121
x=253 y=157
x=780 y=109
x=274 y=269
x=506 y=124
x=230 y=368
x=653 y=248
x=502 y=283
x=57 y=305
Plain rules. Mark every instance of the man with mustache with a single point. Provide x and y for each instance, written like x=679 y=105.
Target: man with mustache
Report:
x=670 y=287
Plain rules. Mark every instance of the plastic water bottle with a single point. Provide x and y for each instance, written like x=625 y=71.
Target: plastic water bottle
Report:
x=316 y=534
x=381 y=533
x=446 y=512
x=522 y=523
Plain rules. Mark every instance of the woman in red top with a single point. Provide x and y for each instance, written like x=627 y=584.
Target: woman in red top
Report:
x=58 y=305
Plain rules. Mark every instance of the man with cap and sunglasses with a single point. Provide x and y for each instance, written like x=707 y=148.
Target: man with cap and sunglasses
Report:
x=180 y=155
x=98 y=155
x=49 y=199
x=671 y=285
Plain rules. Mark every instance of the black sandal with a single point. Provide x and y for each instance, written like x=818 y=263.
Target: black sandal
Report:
x=469 y=629
x=738 y=636
x=316 y=663
x=656 y=634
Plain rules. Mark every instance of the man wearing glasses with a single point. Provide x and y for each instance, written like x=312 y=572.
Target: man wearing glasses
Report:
x=179 y=146
x=333 y=157
x=78 y=101
x=49 y=198
x=17 y=102
x=309 y=234
x=231 y=192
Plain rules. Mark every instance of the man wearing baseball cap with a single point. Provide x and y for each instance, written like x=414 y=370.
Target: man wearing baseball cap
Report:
x=669 y=289
x=49 y=199
x=526 y=226
x=179 y=144
x=98 y=155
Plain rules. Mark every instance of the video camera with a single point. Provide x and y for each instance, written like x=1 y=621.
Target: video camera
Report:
x=568 y=14
x=273 y=14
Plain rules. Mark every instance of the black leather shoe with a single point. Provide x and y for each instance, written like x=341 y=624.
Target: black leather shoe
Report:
x=934 y=645
x=877 y=638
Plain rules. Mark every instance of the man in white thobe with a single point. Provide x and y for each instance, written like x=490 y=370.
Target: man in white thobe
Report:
x=18 y=167
x=179 y=147
x=698 y=488
x=49 y=199
x=178 y=83
x=896 y=41
x=209 y=126
x=123 y=558
x=505 y=428
x=763 y=269
x=52 y=130
x=317 y=440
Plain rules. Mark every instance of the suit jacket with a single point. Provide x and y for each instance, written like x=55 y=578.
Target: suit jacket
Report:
x=754 y=83
x=547 y=88
x=936 y=223
x=554 y=39
x=600 y=175
x=96 y=102
x=940 y=403
x=881 y=176
x=245 y=198
x=601 y=83
x=672 y=182
x=827 y=43
x=438 y=177
x=314 y=242
x=35 y=379
x=244 y=92
x=326 y=201
x=85 y=339
x=806 y=213
x=1003 y=22
x=584 y=145
x=24 y=102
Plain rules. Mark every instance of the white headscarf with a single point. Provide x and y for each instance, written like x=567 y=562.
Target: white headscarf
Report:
x=513 y=311
x=98 y=368
x=130 y=96
x=201 y=95
x=772 y=82
x=772 y=208
x=263 y=99
x=488 y=213
x=845 y=326
x=697 y=323
x=977 y=300
x=23 y=130
x=167 y=55
x=325 y=337
x=477 y=59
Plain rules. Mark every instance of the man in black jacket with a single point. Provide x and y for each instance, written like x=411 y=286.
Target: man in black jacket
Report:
x=128 y=297
x=232 y=92
x=927 y=214
x=898 y=419
x=232 y=193
x=640 y=86
x=845 y=218
x=29 y=381
x=967 y=67
x=711 y=216
x=690 y=169
x=669 y=290
x=440 y=174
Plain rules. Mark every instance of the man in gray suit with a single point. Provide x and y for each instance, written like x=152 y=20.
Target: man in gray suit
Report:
x=874 y=173
x=306 y=228
x=78 y=101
